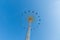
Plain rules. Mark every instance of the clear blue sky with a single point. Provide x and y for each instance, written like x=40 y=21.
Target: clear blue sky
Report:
x=10 y=19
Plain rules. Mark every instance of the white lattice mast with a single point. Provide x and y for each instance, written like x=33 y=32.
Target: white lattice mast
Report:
x=30 y=19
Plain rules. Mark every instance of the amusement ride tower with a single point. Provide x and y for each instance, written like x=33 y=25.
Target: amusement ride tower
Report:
x=32 y=18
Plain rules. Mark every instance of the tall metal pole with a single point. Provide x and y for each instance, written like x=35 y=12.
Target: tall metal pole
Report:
x=29 y=28
x=28 y=33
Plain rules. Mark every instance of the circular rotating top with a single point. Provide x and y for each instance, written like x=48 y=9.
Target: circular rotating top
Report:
x=32 y=17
